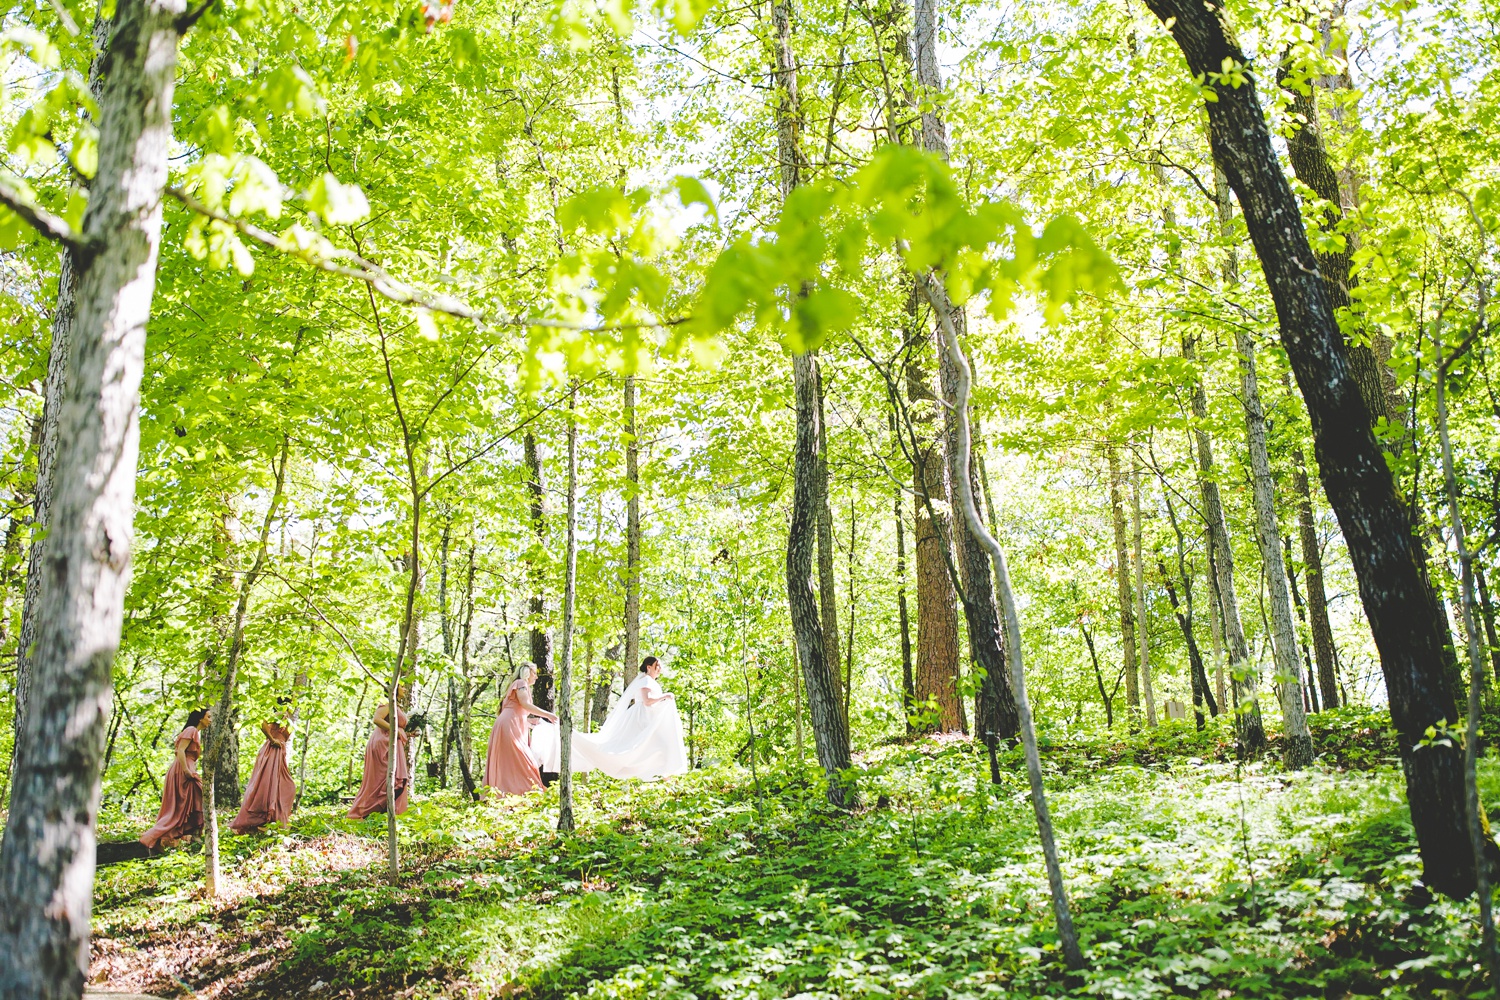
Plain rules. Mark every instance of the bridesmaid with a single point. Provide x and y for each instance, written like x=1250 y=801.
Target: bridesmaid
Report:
x=271 y=791
x=511 y=768
x=371 y=798
x=181 y=813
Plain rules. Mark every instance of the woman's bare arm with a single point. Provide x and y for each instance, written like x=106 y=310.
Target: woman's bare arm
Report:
x=382 y=719
x=271 y=736
x=183 y=762
x=523 y=694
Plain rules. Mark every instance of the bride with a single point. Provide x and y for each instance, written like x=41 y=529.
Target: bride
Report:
x=641 y=738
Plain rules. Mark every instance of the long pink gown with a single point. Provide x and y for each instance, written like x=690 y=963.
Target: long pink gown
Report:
x=181 y=797
x=510 y=767
x=371 y=798
x=271 y=791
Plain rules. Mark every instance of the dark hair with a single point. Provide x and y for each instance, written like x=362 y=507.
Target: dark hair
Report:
x=196 y=716
x=284 y=700
x=648 y=661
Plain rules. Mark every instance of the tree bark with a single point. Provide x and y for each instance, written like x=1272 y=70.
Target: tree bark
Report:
x=225 y=730
x=1248 y=726
x=996 y=718
x=828 y=601
x=1297 y=749
x=54 y=388
x=541 y=639
x=1122 y=586
x=1399 y=602
x=1143 y=649
x=908 y=691
x=47 y=861
x=1309 y=156
x=959 y=403
x=1312 y=577
x=632 y=537
x=565 y=659
x=830 y=728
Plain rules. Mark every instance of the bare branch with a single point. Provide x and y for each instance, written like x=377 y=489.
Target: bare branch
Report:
x=43 y=221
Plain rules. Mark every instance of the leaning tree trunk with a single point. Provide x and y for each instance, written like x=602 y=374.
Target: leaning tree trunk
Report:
x=1399 y=602
x=47 y=861
x=541 y=640
x=632 y=537
x=830 y=728
x=1061 y=910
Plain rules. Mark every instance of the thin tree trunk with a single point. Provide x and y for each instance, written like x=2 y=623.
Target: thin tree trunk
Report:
x=212 y=873
x=1242 y=674
x=1478 y=822
x=1487 y=612
x=1216 y=630
x=1062 y=912
x=1122 y=586
x=1143 y=648
x=830 y=728
x=47 y=861
x=1297 y=750
x=632 y=538
x=541 y=639
x=1399 y=601
x=827 y=583
x=1195 y=658
x=565 y=659
x=1311 y=691
x=849 y=649
x=1201 y=691
x=1312 y=570
x=908 y=692
x=1104 y=695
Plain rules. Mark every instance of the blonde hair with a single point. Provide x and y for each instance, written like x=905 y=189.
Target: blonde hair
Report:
x=519 y=673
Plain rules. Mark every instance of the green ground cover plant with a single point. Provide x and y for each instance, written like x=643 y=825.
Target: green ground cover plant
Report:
x=1191 y=875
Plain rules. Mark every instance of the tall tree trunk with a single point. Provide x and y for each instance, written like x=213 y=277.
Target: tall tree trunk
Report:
x=1122 y=586
x=47 y=861
x=565 y=659
x=1487 y=612
x=1104 y=695
x=828 y=598
x=632 y=537
x=54 y=389
x=1143 y=649
x=1242 y=675
x=1309 y=156
x=1297 y=750
x=1311 y=691
x=224 y=730
x=1399 y=602
x=1312 y=575
x=998 y=719
x=830 y=728
x=1480 y=843
x=1216 y=629
x=959 y=403
x=1185 y=618
x=908 y=691
x=541 y=639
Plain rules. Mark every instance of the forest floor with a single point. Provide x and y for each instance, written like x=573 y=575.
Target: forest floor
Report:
x=1189 y=876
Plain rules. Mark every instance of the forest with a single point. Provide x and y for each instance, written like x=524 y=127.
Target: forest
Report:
x=596 y=498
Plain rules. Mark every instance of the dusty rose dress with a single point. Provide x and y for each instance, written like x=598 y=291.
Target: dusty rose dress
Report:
x=371 y=798
x=510 y=767
x=269 y=795
x=181 y=797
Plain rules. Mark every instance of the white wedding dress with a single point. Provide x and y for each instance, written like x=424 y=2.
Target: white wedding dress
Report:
x=636 y=741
